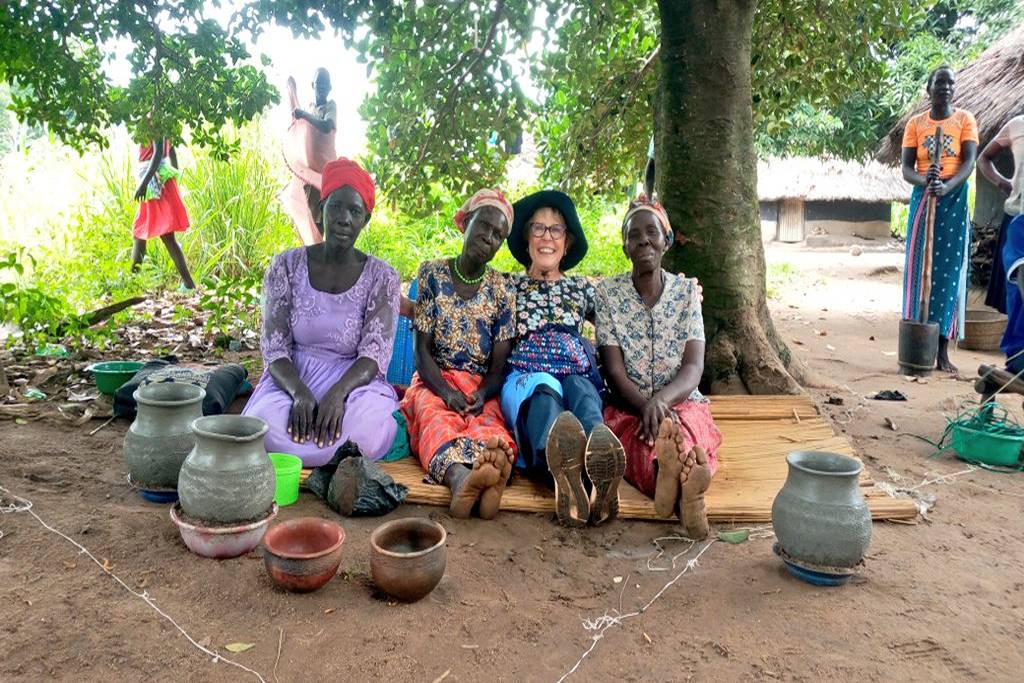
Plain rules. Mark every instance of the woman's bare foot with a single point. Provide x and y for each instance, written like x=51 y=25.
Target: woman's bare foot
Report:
x=695 y=480
x=500 y=454
x=565 y=454
x=669 y=448
x=486 y=473
x=606 y=462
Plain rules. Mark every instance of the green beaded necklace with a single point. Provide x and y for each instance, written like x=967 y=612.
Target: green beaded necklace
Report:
x=466 y=280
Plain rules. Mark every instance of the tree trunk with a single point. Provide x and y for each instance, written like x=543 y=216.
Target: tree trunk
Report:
x=706 y=176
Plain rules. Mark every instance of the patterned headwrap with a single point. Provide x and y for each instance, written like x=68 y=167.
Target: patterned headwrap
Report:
x=342 y=172
x=642 y=203
x=485 y=197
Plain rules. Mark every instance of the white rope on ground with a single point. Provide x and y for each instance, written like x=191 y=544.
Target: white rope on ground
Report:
x=26 y=506
x=607 y=621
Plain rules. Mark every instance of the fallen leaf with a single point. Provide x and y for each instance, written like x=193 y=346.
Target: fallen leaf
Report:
x=106 y=565
x=205 y=641
x=821 y=333
x=239 y=647
x=20 y=421
x=442 y=676
x=798 y=342
x=328 y=610
x=830 y=347
x=735 y=537
x=891 y=425
x=616 y=579
x=647 y=638
x=69 y=565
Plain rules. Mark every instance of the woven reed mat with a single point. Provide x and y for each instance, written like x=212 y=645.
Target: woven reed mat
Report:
x=758 y=432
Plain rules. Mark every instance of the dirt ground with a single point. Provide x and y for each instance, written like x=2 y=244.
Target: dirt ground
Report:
x=943 y=599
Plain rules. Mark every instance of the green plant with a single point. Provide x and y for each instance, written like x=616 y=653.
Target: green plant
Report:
x=33 y=312
x=232 y=305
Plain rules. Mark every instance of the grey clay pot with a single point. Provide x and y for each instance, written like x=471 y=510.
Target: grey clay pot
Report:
x=161 y=436
x=820 y=516
x=227 y=478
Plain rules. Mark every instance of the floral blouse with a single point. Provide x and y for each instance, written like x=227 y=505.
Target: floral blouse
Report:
x=357 y=323
x=465 y=330
x=549 y=324
x=652 y=339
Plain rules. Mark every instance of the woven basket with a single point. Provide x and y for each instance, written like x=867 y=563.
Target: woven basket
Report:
x=983 y=330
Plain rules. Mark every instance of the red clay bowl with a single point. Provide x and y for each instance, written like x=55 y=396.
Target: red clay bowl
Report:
x=221 y=542
x=408 y=557
x=303 y=554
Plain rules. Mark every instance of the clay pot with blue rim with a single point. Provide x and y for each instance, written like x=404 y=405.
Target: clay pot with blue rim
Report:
x=821 y=519
x=228 y=477
x=160 y=438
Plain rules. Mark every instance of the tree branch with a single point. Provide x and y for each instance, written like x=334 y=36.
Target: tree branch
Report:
x=449 y=100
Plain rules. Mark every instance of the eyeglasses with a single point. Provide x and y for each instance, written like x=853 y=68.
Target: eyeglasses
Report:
x=557 y=231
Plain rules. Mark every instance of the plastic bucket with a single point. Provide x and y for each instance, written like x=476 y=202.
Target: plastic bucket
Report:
x=972 y=445
x=110 y=375
x=918 y=347
x=287 y=467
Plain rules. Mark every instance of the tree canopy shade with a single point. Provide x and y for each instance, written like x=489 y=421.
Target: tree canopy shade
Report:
x=700 y=74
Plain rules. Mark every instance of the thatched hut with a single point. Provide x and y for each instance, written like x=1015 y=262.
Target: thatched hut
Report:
x=992 y=88
x=801 y=196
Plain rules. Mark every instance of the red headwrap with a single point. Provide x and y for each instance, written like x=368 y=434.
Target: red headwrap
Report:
x=342 y=172
x=495 y=198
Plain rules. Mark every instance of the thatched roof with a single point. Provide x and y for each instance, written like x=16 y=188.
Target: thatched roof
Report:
x=824 y=179
x=991 y=87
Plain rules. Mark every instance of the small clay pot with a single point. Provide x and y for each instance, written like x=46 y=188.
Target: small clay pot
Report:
x=160 y=438
x=303 y=554
x=227 y=478
x=820 y=516
x=408 y=557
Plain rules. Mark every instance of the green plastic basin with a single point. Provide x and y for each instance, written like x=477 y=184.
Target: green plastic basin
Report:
x=972 y=445
x=110 y=375
x=287 y=467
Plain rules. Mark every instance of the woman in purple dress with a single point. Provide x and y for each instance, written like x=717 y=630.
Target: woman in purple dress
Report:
x=329 y=318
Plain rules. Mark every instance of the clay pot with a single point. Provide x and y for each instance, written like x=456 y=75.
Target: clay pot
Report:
x=408 y=557
x=161 y=437
x=221 y=542
x=820 y=517
x=227 y=478
x=303 y=554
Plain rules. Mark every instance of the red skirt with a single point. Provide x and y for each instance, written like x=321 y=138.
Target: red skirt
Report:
x=641 y=462
x=440 y=437
x=159 y=217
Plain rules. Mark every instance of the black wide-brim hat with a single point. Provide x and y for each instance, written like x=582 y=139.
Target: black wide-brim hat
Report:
x=524 y=210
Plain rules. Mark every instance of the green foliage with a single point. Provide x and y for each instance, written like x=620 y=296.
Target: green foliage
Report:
x=187 y=70
x=31 y=310
x=233 y=304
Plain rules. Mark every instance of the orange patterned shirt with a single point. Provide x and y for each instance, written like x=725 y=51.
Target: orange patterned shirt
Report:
x=956 y=130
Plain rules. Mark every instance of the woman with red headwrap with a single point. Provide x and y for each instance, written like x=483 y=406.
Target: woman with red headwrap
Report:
x=464 y=327
x=329 y=316
x=650 y=335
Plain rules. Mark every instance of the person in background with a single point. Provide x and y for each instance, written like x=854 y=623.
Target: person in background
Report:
x=161 y=212
x=947 y=182
x=308 y=146
x=1010 y=137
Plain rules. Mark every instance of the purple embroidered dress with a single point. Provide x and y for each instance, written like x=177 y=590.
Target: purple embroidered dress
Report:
x=323 y=334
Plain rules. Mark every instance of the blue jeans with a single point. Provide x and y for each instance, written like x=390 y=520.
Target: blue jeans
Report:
x=538 y=413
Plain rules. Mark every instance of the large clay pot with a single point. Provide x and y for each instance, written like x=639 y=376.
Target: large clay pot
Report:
x=227 y=478
x=161 y=436
x=408 y=557
x=820 y=517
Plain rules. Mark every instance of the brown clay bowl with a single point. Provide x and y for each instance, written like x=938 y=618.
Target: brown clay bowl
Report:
x=408 y=557
x=303 y=554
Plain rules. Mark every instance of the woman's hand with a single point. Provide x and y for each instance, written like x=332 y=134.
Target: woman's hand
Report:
x=407 y=307
x=329 y=416
x=476 y=403
x=455 y=400
x=300 y=420
x=939 y=188
x=651 y=416
x=140 y=193
x=298 y=113
x=933 y=173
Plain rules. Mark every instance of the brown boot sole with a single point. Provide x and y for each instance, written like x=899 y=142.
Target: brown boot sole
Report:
x=565 y=447
x=606 y=462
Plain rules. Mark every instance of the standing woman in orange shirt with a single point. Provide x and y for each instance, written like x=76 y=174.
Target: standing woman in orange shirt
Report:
x=947 y=182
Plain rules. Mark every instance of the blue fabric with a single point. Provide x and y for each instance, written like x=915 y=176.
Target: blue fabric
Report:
x=995 y=295
x=950 y=256
x=403 y=362
x=1013 y=258
x=537 y=410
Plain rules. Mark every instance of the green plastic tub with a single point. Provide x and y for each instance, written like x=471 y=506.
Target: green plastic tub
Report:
x=972 y=445
x=110 y=375
x=287 y=467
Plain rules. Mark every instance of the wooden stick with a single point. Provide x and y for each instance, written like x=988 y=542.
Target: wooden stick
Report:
x=929 y=241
